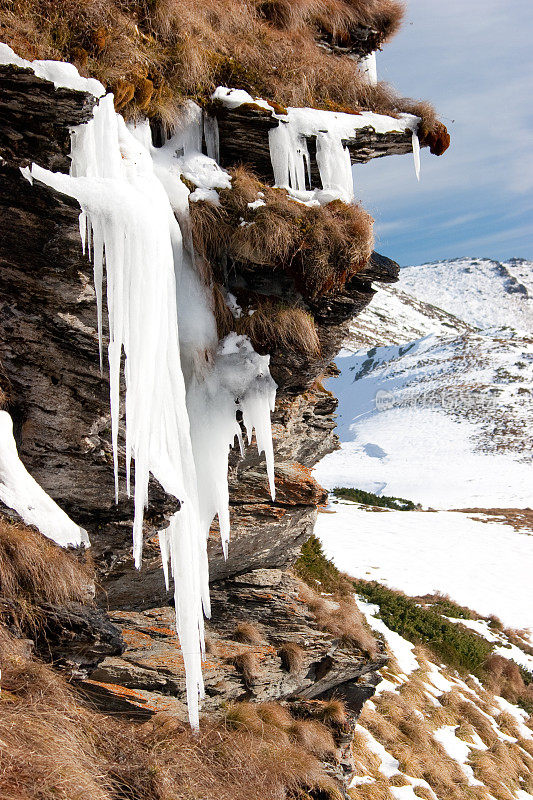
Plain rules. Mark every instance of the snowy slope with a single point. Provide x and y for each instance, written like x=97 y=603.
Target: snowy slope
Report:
x=482 y=564
x=479 y=291
x=439 y=411
x=430 y=732
x=396 y=317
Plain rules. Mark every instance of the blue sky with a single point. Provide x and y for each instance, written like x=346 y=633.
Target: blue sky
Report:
x=473 y=59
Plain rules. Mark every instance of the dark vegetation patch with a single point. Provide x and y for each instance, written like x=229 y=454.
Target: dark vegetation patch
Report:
x=444 y=605
x=455 y=645
x=319 y=572
x=371 y=499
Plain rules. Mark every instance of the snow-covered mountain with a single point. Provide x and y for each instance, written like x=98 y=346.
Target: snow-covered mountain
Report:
x=480 y=292
x=435 y=391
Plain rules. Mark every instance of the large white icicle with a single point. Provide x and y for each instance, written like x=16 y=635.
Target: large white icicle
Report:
x=136 y=237
x=182 y=393
x=20 y=491
x=416 y=154
x=369 y=68
x=220 y=379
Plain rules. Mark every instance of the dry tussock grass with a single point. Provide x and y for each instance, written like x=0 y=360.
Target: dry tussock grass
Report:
x=53 y=747
x=341 y=618
x=46 y=739
x=408 y=736
x=314 y=738
x=276 y=325
x=247 y=664
x=292 y=656
x=154 y=54
x=35 y=570
x=247 y=634
x=321 y=248
x=332 y=712
x=504 y=678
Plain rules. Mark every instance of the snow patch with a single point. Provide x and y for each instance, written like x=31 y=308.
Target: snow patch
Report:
x=481 y=565
x=400 y=647
x=457 y=749
x=21 y=492
x=62 y=74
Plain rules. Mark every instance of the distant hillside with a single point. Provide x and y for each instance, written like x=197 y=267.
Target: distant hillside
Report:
x=438 y=408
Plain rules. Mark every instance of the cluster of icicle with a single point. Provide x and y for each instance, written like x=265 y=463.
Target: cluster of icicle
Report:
x=289 y=152
x=183 y=387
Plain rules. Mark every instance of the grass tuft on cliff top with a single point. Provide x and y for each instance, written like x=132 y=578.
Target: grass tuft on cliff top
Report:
x=154 y=54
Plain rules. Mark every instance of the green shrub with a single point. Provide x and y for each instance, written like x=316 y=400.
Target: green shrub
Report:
x=371 y=499
x=457 y=646
x=443 y=605
x=319 y=572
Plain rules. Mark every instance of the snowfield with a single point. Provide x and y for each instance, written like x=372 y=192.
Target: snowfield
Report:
x=435 y=406
x=480 y=292
x=483 y=565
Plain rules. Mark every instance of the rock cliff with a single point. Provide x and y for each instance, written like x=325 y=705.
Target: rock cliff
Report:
x=58 y=398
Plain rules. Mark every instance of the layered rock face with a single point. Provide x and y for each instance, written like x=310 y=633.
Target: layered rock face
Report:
x=59 y=402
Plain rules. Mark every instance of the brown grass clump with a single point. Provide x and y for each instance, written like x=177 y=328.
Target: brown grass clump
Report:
x=275 y=714
x=247 y=634
x=52 y=747
x=504 y=678
x=335 y=20
x=246 y=663
x=46 y=749
x=187 y=48
x=341 y=618
x=292 y=656
x=314 y=738
x=278 y=325
x=321 y=248
x=35 y=570
x=332 y=712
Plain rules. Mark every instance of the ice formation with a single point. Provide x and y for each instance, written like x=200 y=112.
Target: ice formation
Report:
x=369 y=68
x=416 y=154
x=289 y=152
x=61 y=73
x=18 y=490
x=183 y=387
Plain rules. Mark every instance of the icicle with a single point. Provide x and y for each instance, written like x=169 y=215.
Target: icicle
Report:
x=212 y=139
x=182 y=393
x=416 y=154
x=289 y=156
x=334 y=165
x=18 y=490
x=369 y=68
x=165 y=555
